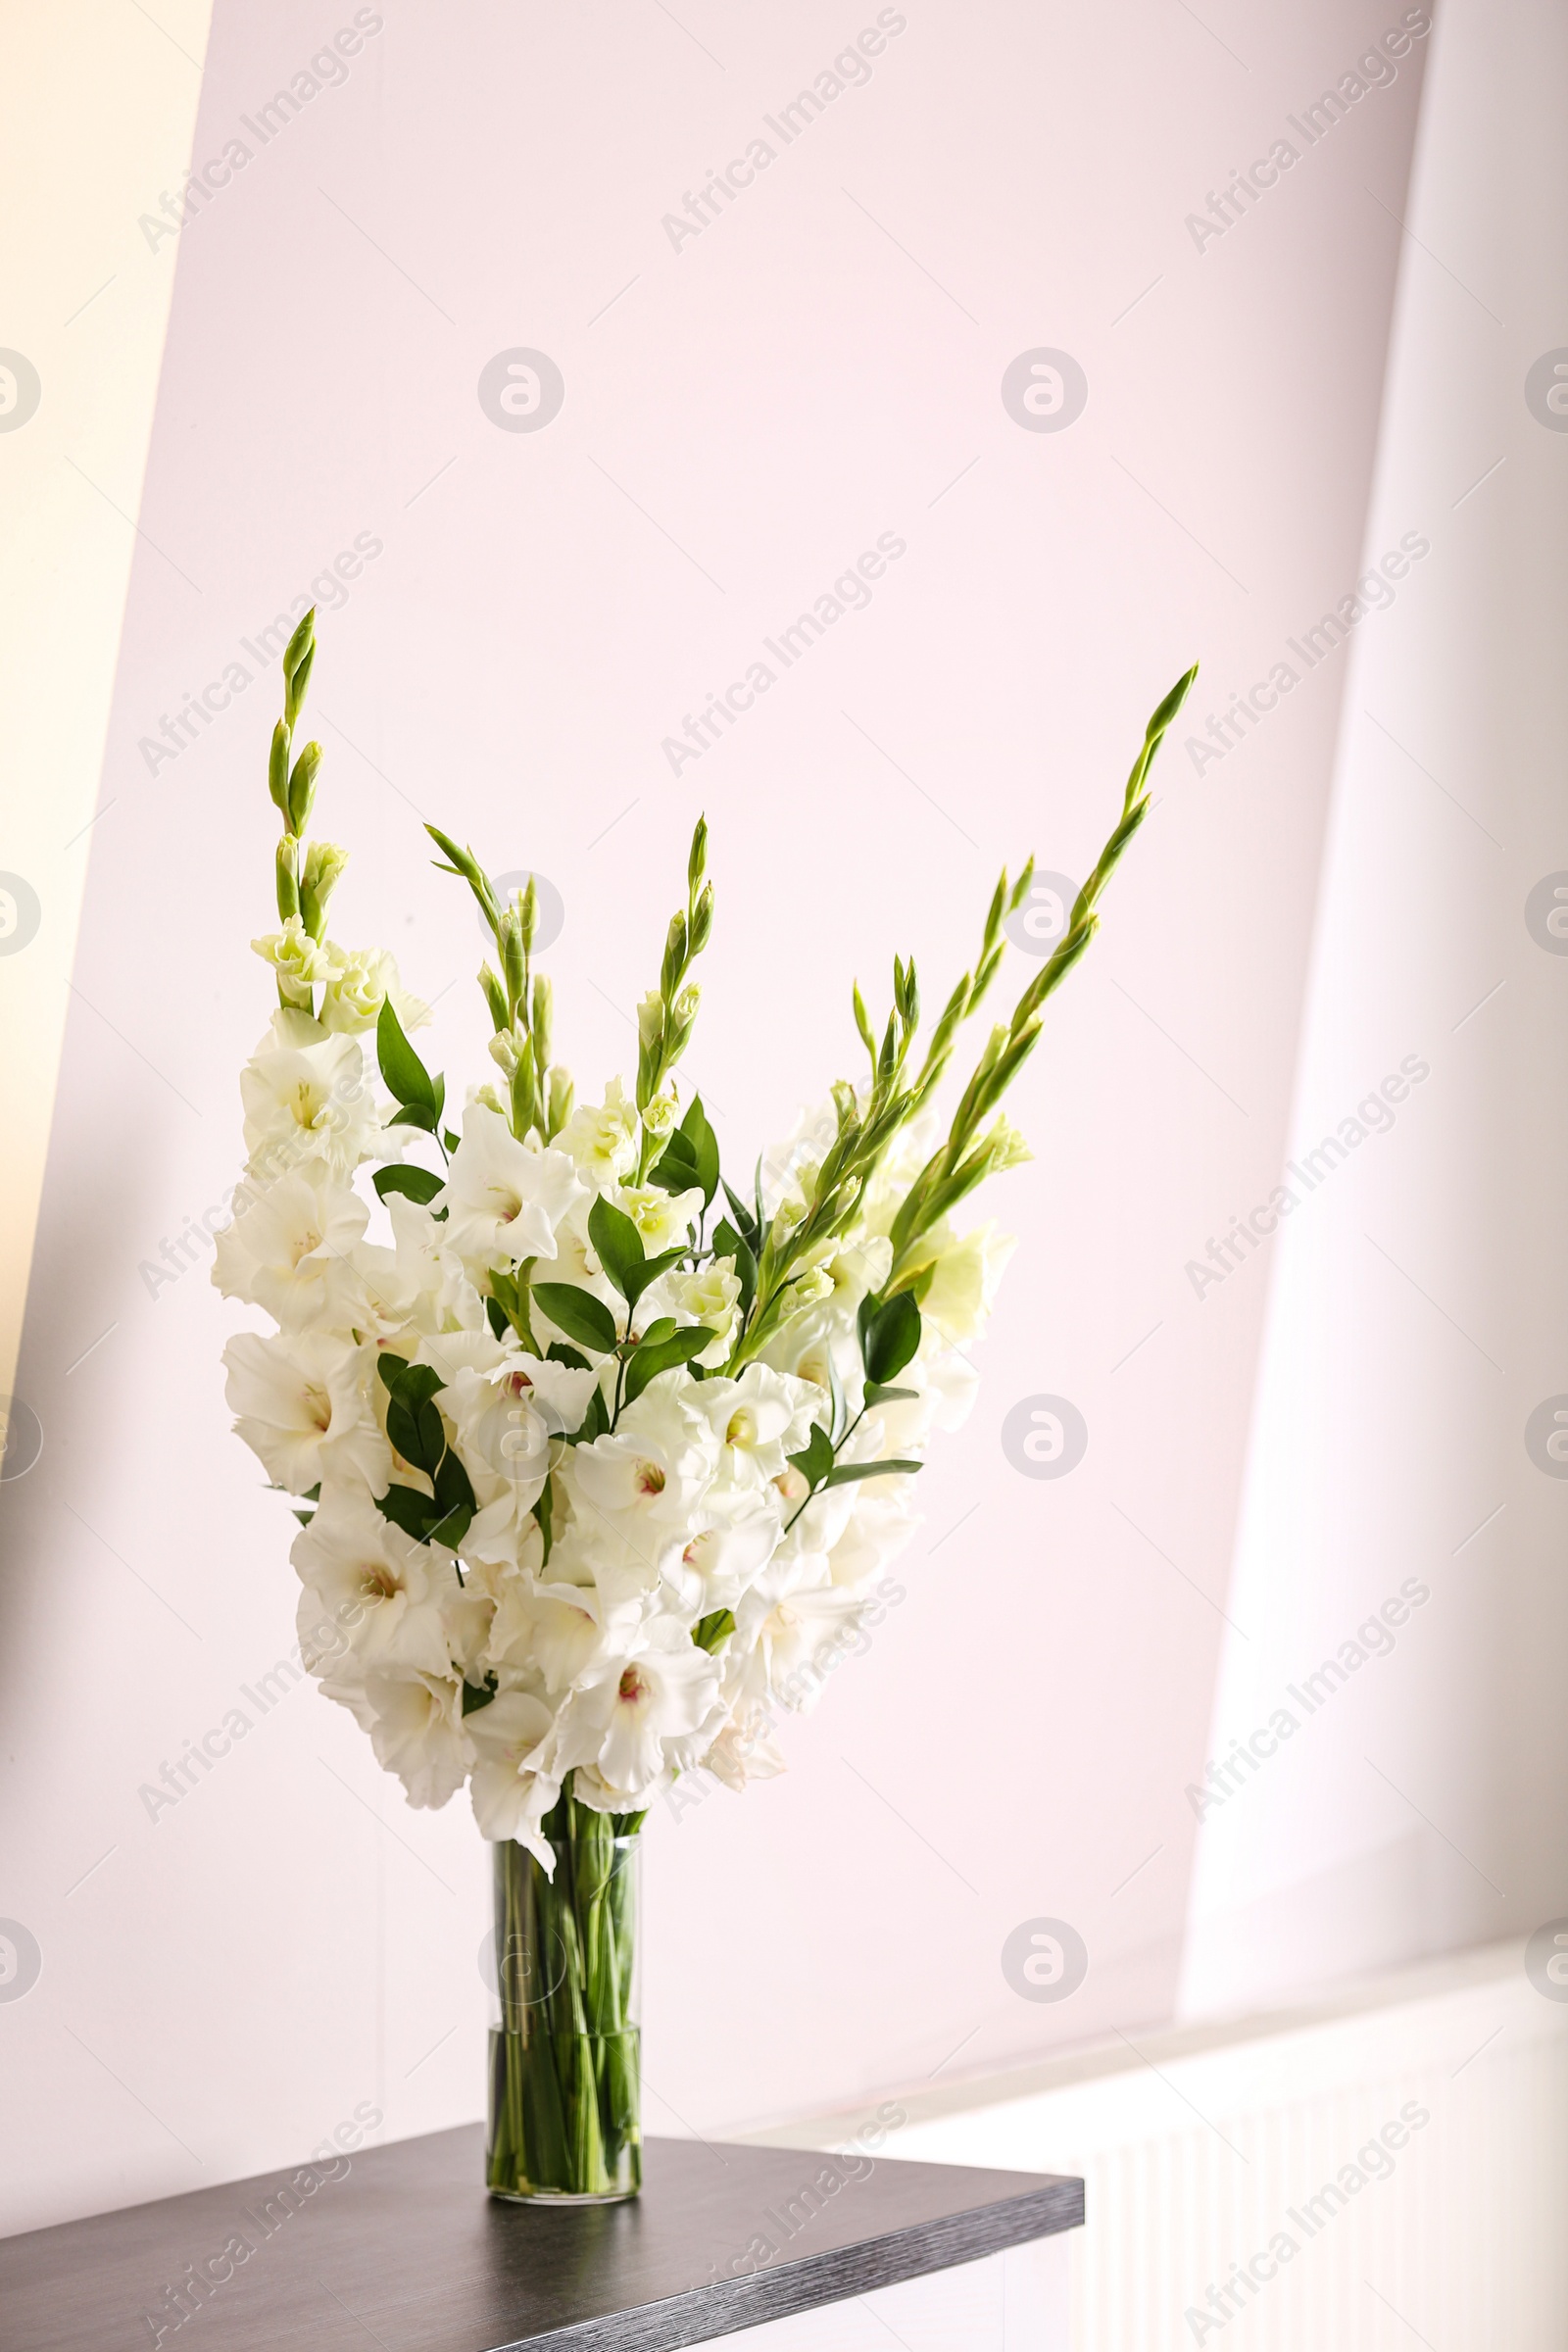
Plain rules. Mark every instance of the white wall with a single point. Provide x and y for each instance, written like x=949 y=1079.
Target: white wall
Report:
x=1417 y=1313
x=822 y=365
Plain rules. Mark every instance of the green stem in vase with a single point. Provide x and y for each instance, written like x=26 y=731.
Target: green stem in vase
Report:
x=565 y=2074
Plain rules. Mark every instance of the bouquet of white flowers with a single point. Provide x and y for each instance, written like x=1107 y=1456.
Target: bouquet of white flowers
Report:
x=601 y=1459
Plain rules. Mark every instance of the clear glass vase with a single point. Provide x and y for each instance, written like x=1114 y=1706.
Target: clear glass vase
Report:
x=565 y=2056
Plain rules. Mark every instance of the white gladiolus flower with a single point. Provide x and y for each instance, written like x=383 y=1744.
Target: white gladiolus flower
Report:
x=724 y=1558
x=298 y=959
x=504 y=1198
x=358 y=984
x=560 y=1631
x=709 y=1296
x=643 y=1485
x=792 y=1645
x=306 y=1096
x=433 y=1283
x=602 y=1139
x=881 y=1524
x=615 y=1729
x=513 y=1789
x=288 y=1249
x=661 y=1218
x=303 y=1408
x=369 y=1585
x=417 y=1731
x=745 y=1750
x=757 y=1421
x=969 y=1270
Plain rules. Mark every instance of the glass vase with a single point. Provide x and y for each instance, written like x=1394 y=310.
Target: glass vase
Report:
x=566 y=2057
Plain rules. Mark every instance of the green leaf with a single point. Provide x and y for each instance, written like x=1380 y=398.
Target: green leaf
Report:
x=658 y=1330
x=557 y=1352
x=414 y=1114
x=452 y=1488
x=845 y=1474
x=709 y=1632
x=449 y=1140
x=418 y=1184
x=889 y=1336
x=638 y=1280
x=416 y=1429
x=727 y=1243
x=877 y=1394
x=815 y=1458
x=746 y=1224
x=405 y=1073
x=406 y=1509
x=675 y=1169
x=617 y=1244
x=390 y=1368
x=477 y=1695
x=451 y=1528
x=578 y=1314
x=659 y=1355
x=704 y=1146
x=499 y=1320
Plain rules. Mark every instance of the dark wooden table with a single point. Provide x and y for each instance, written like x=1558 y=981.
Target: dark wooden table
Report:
x=402 y=2248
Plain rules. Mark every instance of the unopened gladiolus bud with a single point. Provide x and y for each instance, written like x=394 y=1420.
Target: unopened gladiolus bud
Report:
x=562 y=1096
x=524 y=1100
x=702 y=919
x=816 y=1284
x=698 y=860
x=513 y=957
x=323 y=865
x=543 y=1004
x=302 y=788
x=494 y=996
x=661 y=1115
x=686 y=1004
x=651 y=1021
x=675 y=957
x=491 y=1100
x=529 y=915
x=294 y=692
x=277 y=769
x=504 y=1051
x=1005 y=1148
x=288 y=883
x=299 y=645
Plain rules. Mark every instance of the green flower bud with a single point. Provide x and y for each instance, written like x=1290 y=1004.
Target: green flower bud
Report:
x=288 y=881
x=524 y=1102
x=325 y=862
x=651 y=1021
x=302 y=788
x=702 y=919
x=277 y=769
x=529 y=915
x=299 y=645
x=494 y=996
x=294 y=692
x=675 y=955
x=561 y=1096
x=513 y=960
x=504 y=1052
x=698 y=860
x=542 y=1006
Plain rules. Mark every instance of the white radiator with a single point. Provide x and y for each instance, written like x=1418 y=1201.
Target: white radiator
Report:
x=1387 y=2170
